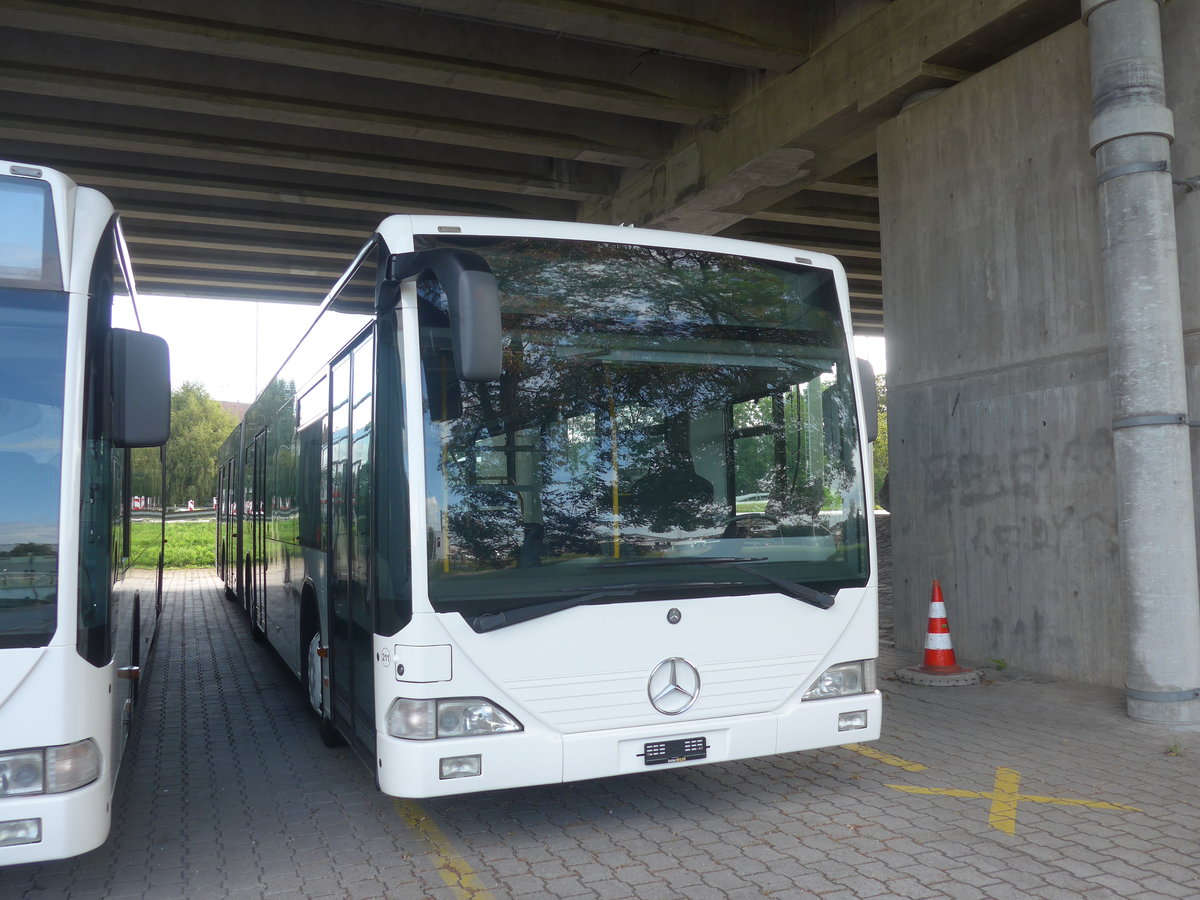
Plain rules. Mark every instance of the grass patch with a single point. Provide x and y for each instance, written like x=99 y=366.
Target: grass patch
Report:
x=190 y=545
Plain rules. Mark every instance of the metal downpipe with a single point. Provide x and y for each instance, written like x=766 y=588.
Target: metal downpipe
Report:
x=1130 y=138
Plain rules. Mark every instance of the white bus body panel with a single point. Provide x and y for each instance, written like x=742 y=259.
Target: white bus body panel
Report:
x=50 y=696
x=75 y=821
x=578 y=682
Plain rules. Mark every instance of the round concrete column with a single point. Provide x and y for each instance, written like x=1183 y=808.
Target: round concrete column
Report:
x=1130 y=137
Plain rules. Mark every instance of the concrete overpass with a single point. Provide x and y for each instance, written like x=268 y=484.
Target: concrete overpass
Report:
x=939 y=147
x=252 y=145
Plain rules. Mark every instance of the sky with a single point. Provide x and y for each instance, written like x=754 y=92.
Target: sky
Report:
x=214 y=342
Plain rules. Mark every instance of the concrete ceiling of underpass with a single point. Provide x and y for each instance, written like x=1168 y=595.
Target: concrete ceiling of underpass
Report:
x=252 y=146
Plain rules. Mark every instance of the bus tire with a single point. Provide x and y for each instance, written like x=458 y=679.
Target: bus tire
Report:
x=256 y=633
x=313 y=691
x=135 y=643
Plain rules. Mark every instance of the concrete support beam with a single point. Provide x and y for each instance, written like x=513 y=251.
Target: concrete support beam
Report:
x=831 y=218
x=842 y=94
x=1130 y=136
x=265 y=110
x=273 y=288
x=241 y=222
x=850 y=188
x=767 y=34
x=237 y=190
x=219 y=246
x=568 y=181
x=414 y=51
x=180 y=266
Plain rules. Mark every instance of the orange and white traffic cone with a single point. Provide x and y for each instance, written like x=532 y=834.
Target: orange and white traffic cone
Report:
x=939 y=666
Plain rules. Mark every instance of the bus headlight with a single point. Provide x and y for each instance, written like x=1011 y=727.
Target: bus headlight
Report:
x=50 y=770
x=843 y=680
x=472 y=716
x=21 y=773
x=427 y=720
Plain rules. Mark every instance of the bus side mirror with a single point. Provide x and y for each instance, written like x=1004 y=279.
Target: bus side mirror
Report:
x=474 y=302
x=141 y=389
x=870 y=396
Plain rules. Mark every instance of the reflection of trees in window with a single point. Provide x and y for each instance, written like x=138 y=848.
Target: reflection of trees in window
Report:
x=484 y=528
x=580 y=287
x=622 y=409
x=778 y=452
x=281 y=452
x=670 y=494
x=308 y=485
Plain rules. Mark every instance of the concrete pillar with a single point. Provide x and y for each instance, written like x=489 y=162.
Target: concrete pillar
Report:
x=1130 y=138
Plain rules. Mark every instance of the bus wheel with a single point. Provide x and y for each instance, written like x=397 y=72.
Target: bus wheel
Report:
x=252 y=587
x=313 y=688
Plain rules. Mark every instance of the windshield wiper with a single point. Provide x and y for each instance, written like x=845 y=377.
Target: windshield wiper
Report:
x=803 y=592
x=491 y=621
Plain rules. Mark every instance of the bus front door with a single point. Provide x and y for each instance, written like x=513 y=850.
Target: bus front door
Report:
x=351 y=608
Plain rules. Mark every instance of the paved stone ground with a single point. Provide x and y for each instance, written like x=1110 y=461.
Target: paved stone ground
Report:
x=228 y=793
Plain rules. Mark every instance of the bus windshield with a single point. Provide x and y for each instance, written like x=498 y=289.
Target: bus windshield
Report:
x=33 y=331
x=669 y=424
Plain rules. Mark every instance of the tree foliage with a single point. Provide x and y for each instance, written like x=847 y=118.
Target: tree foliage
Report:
x=146 y=473
x=880 y=446
x=198 y=427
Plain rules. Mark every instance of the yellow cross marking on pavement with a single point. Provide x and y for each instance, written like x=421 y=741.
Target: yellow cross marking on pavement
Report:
x=1005 y=796
x=455 y=871
x=886 y=758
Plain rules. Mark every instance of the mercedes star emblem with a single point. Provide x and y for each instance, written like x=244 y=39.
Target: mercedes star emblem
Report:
x=674 y=686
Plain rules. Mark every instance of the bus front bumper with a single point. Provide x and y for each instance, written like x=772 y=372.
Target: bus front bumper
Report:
x=53 y=826
x=417 y=769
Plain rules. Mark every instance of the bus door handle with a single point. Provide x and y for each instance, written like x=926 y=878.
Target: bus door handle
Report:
x=130 y=673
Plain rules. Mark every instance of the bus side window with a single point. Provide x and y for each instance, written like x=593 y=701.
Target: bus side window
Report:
x=99 y=495
x=313 y=419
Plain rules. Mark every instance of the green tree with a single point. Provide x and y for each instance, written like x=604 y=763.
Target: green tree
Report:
x=146 y=473
x=198 y=427
x=880 y=447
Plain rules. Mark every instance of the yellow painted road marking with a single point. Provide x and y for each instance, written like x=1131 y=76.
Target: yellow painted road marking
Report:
x=1005 y=797
x=1003 y=814
x=887 y=758
x=455 y=870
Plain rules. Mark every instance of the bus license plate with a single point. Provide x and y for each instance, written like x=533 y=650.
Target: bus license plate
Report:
x=681 y=750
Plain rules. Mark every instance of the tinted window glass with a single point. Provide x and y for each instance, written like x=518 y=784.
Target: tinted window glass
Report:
x=33 y=329
x=660 y=411
x=28 y=240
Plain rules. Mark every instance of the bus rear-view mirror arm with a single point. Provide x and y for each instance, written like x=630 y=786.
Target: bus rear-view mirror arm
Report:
x=141 y=389
x=474 y=302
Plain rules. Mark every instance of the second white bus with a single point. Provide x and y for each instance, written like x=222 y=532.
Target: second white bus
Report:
x=536 y=502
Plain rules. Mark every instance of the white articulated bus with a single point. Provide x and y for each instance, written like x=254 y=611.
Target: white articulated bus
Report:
x=78 y=608
x=534 y=502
